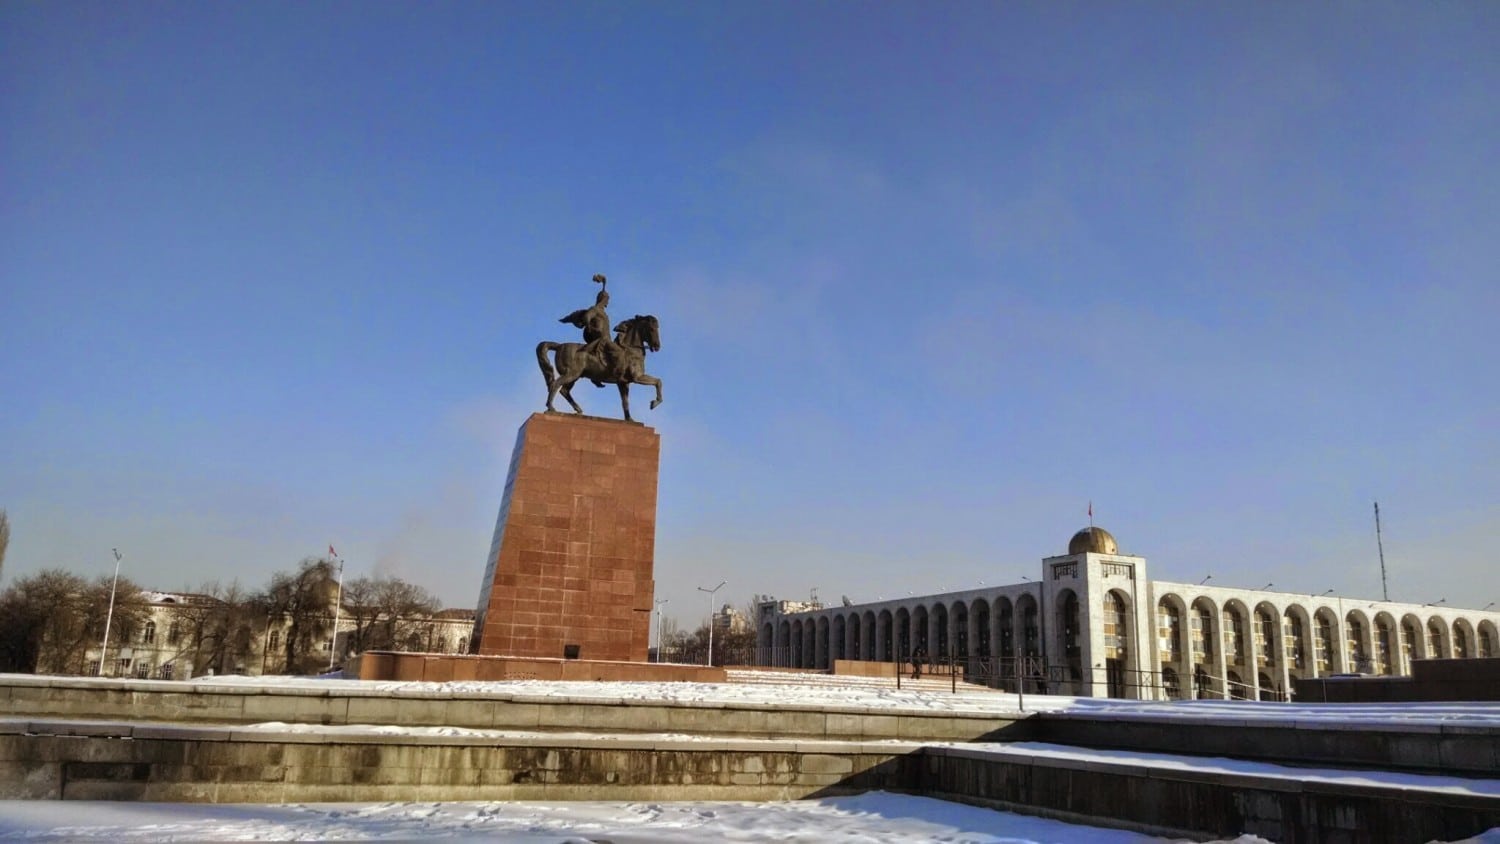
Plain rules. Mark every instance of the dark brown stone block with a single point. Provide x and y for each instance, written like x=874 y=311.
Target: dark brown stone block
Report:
x=574 y=547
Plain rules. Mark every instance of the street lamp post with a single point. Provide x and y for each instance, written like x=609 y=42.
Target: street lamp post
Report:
x=110 y=615
x=338 y=606
x=711 y=618
x=659 y=643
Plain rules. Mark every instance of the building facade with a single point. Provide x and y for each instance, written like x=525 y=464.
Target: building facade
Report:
x=187 y=635
x=1095 y=624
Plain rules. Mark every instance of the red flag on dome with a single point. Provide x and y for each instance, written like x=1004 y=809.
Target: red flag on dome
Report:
x=333 y=553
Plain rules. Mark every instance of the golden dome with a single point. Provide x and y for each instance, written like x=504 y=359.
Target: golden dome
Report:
x=1093 y=540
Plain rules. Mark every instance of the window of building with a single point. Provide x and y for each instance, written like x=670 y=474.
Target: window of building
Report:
x=1291 y=631
x=167 y=671
x=1115 y=626
x=1265 y=634
x=1382 y=649
x=1029 y=630
x=1201 y=628
x=142 y=670
x=1460 y=643
x=1234 y=637
x=275 y=640
x=148 y=633
x=1168 y=631
x=1356 y=644
x=1322 y=635
x=172 y=634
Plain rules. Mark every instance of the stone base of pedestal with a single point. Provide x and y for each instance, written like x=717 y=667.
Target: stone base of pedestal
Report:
x=447 y=668
x=569 y=573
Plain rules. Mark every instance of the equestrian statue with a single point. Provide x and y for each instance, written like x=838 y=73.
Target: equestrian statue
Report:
x=620 y=360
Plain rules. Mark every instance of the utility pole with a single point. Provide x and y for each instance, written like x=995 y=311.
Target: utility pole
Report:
x=659 y=643
x=1385 y=594
x=109 y=616
x=711 y=618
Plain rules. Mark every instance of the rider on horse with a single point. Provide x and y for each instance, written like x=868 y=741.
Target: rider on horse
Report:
x=596 y=333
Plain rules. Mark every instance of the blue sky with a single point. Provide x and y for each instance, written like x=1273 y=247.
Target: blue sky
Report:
x=931 y=278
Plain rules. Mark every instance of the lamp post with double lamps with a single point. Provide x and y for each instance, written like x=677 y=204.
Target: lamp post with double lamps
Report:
x=711 y=617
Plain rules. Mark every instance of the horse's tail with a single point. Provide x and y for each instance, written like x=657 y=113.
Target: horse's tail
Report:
x=548 y=374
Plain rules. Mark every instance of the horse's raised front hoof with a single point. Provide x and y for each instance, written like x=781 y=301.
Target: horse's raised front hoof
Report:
x=654 y=403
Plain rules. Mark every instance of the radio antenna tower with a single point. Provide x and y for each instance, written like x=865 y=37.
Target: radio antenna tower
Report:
x=1385 y=594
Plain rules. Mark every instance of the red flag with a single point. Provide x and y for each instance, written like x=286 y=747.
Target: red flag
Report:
x=331 y=552
x=1091 y=515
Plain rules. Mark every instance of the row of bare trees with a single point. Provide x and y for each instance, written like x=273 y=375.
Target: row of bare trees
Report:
x=49 y=621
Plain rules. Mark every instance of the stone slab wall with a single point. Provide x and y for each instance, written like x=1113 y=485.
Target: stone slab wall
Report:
x=1191 y=803
x=445 y=668
x=575 y=541
x=56 y=760
x=223 y=766
x=144 y=700
x=1451 y=748
x=1431 y=679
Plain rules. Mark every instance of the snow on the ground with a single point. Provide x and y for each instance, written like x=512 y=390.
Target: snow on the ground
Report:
x=871 y=817
x=813 y=691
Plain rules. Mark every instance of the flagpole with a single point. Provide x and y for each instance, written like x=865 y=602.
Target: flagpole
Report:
x=338 y=605
x=110 y=616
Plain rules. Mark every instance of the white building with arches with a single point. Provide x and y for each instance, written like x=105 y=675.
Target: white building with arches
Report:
x=1097 y=625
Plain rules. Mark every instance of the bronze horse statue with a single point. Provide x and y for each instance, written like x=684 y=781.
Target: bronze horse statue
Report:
x=634 y=336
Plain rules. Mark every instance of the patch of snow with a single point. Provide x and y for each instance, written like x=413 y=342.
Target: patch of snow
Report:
x=870 y=818
x=818 y=692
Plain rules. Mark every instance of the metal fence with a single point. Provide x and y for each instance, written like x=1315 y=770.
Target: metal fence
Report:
x=1033 y=675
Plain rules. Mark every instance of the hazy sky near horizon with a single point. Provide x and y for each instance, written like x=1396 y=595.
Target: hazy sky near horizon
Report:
x=931 y=278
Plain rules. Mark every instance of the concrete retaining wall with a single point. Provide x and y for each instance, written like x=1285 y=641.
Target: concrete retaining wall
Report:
x=1190 y=803
x=1431 y=679
x=101 y=761
x=177 y=702
x=98 y=761
x=1429 y=748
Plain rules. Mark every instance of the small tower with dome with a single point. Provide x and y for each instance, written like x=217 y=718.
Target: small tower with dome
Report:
x=1098 y=617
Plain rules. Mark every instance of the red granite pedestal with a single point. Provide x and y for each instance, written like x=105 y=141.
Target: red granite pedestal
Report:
x=569 y=573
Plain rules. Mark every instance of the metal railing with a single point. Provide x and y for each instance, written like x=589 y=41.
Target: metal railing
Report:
x=1031 y=675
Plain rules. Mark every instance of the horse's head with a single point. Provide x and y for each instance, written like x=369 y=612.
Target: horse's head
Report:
x=640 y=331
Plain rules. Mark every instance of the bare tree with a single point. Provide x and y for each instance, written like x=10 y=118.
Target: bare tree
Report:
x=213 y=628
x=406 y=611
x=362 y=611
x=303 y=602
x=49 y=620
x=33 y=610
x=389 y=614
x=4 y=538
